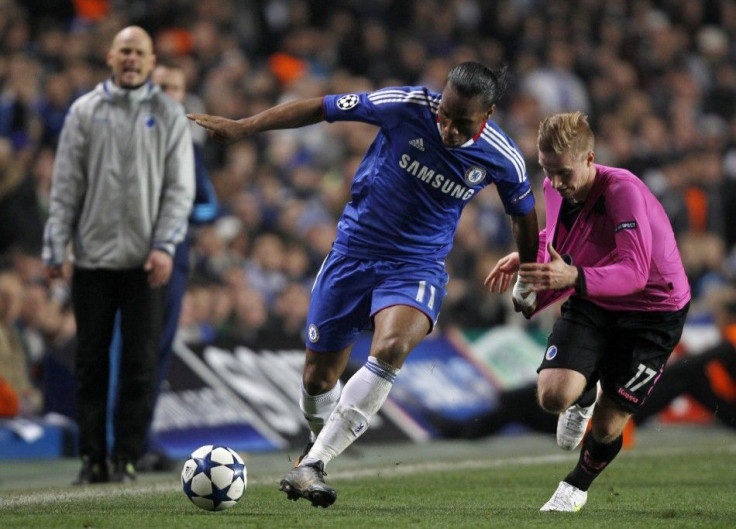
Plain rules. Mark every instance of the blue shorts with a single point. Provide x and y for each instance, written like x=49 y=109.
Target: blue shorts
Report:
x=348 y=292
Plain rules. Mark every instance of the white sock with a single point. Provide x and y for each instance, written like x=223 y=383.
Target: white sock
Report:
x=317 y=408
x=362 y=397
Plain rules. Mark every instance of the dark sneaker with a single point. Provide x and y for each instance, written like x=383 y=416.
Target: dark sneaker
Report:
x=123 y=472
x=154 y=462
x=308 y=481
x=92 y=473
x=304 y=453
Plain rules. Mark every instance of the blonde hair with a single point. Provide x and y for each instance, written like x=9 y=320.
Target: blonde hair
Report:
x=567 y=132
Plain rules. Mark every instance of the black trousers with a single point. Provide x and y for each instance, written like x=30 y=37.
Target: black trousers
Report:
x=97 y=296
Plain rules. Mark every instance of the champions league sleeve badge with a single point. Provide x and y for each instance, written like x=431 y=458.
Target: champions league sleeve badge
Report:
x=347 y=102
x=475 y=175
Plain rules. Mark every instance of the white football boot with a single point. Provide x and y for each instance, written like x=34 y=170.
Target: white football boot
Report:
x=572 y=424
x=566 y=499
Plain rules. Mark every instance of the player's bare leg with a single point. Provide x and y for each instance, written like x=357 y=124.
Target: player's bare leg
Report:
x=398 y=329
x=573 y=422
x=560 y=391
x=600 y=446
x=320 y=390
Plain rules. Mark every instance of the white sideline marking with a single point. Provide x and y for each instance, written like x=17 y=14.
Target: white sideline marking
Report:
x=385 y=470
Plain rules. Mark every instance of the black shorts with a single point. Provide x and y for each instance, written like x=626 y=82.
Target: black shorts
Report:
x=625 y=350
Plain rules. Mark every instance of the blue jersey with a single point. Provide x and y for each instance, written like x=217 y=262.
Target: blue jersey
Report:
x=410 y=189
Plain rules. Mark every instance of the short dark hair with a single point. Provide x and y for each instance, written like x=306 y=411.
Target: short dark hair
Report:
x=470 y=79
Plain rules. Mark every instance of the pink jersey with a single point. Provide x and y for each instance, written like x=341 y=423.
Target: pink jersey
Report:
x=623 y=240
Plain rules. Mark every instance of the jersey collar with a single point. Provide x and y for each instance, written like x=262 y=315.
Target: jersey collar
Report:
x=131 y=94
x=471 y=141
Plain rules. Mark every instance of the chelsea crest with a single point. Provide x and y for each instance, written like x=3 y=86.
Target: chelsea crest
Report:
x=475 y=175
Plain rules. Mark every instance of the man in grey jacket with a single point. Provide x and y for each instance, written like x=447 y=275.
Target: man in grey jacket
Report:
x=122 y=191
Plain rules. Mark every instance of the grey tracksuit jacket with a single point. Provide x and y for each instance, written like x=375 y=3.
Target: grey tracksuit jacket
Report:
x=123 y=179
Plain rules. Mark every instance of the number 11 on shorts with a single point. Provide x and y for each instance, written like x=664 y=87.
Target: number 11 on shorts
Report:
x=422 y=292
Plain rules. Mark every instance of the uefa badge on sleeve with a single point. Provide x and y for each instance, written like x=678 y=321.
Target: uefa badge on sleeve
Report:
x=347 y=102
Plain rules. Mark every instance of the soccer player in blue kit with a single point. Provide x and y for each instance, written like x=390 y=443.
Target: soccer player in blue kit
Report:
x=432 y=154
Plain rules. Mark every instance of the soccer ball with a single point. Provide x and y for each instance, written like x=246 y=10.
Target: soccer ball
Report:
x=214 y=478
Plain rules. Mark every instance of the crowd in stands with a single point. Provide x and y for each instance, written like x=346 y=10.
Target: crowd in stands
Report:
x=657 y=77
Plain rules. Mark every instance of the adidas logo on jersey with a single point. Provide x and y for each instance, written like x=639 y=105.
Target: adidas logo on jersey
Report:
x=417 y=143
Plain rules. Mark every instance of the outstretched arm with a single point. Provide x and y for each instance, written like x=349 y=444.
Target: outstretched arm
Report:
x=499 y=279
x=526 y=235
x=291 y=115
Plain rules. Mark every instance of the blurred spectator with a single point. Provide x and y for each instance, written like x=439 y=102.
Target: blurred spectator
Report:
x=703 y=255
x=264 y=269
x=194 y=320
x=123 y=188
x=18 y=396
x=19 y=92
x=171 y=78
x=658 y=79
x=20 y=220
x=287 y=322
x=556 y=85
x=52 y=107
x=249 y=317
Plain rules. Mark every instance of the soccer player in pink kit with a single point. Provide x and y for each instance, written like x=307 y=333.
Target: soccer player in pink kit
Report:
x=609 y=246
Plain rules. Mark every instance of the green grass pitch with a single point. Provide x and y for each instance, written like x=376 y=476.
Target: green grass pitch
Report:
x=674 y=477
